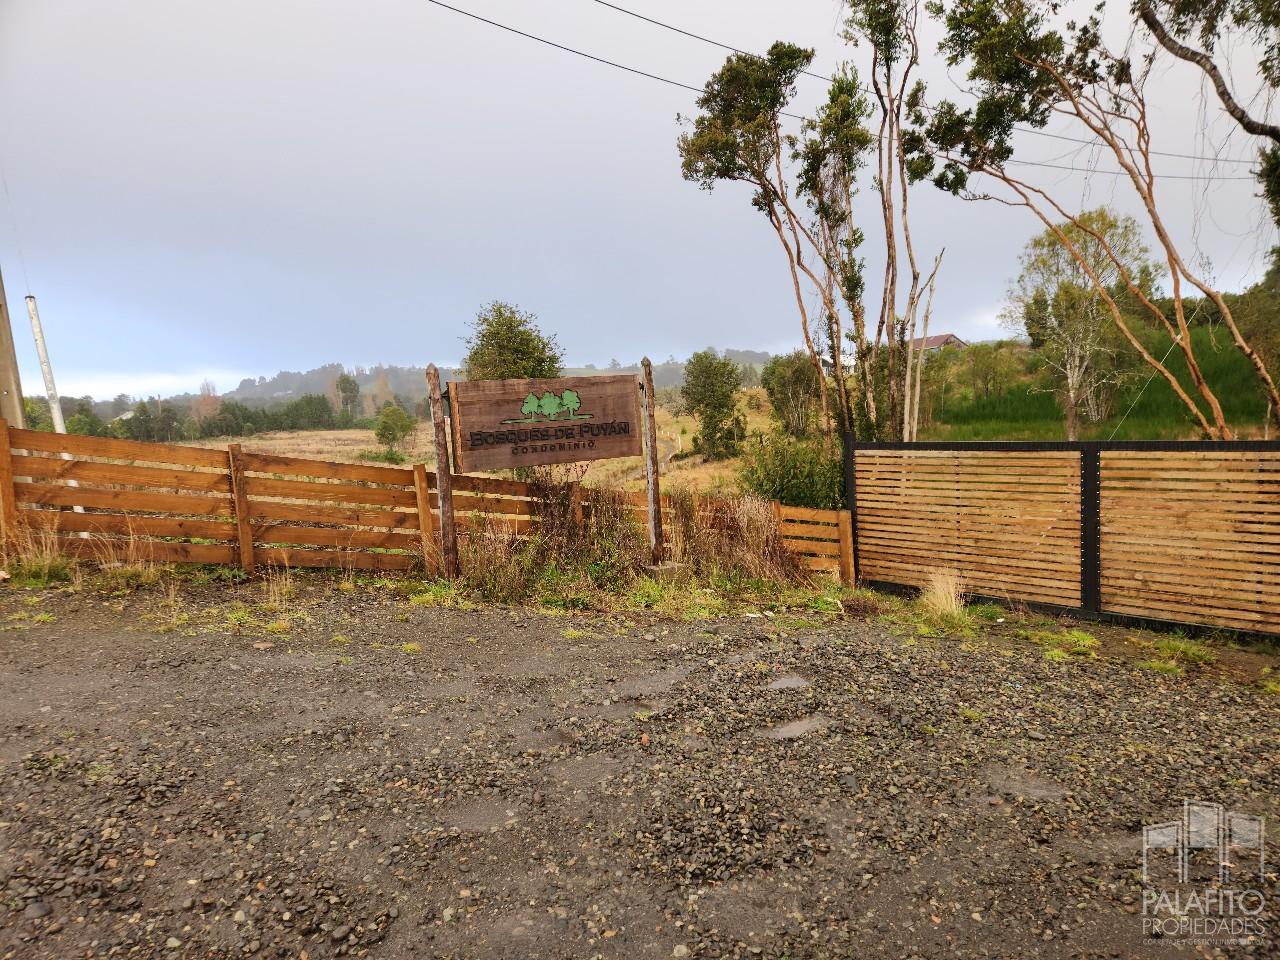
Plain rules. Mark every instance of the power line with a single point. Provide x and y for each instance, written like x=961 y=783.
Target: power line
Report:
x=1123 y=173
x=824 y=77
x=560 y=46
x=685 y=86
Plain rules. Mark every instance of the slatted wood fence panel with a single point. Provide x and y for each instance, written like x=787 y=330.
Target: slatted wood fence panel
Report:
x=1007 y=522
x=1192 y=537
x=823 y=539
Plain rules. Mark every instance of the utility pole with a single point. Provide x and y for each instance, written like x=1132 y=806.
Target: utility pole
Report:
x=10 y=383
x=55 y=405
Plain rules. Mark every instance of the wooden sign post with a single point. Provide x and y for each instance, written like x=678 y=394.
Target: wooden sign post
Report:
x=444 y=479
x=657 y=546
x=507 y=424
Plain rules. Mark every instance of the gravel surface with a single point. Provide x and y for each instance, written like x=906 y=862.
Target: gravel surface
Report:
x=178 y=780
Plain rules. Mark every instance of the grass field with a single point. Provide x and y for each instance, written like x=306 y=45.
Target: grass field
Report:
x=675 y=440
x=1148 y=410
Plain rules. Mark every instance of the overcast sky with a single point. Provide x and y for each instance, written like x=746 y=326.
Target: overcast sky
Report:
x=226 y=189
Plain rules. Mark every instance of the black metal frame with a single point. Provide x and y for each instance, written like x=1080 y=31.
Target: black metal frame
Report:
x=1090 y=452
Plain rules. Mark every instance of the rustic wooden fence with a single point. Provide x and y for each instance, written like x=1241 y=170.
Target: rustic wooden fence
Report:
x=120 y=500
x=1180 y=532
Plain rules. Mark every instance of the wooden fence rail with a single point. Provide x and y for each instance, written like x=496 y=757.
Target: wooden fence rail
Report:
x=117 y=500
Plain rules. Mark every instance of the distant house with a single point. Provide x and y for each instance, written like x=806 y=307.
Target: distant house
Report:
x=935 y=343
x=927 y=345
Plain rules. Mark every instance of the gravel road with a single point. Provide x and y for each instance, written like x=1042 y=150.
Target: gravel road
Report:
x=386 y=780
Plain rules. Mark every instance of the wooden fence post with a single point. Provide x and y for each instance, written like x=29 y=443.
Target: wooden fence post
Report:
x=8 y=495
x=422 y=491
x=240 y=504
x=444 y=479
x=848 y=574
x=656 y=540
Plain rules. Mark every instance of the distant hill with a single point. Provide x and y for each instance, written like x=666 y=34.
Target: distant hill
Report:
x=410 y=382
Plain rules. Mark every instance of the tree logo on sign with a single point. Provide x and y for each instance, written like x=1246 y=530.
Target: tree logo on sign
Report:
x=548 y=407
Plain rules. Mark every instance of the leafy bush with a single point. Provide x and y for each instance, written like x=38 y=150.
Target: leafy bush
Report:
x=393 y=426
x=798 y=473
x=710 y=384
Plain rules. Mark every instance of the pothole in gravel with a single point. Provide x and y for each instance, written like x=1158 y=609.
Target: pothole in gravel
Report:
x=794 y=728
x=660 y=681
x=789 y=682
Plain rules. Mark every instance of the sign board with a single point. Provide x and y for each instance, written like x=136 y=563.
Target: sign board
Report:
x=499 y=424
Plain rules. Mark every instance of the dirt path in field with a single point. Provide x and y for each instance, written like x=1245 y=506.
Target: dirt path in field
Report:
x=177 y=781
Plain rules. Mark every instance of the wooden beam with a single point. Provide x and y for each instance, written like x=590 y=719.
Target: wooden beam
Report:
x=8 y=496
x=430 y=555
x=657 y=545
x=240 y=507
x=444 y=478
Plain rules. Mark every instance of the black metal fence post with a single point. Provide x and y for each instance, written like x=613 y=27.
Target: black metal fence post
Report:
x=1090 y=527
x=849 y=449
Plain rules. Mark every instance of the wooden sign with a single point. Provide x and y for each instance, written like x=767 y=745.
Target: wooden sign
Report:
x=499 y=424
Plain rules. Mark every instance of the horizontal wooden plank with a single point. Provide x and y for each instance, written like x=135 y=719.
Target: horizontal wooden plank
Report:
x=793 y=528
x=1122 y=475
x=1225 y=597
x=1046 y=564
x=111 y=449
x=302 y=467
x=1208 y=536
x=995 y=585
x=966 y=456
x=337 y=537
x=809 y=514
x=1066 y=532
x=1255 y=488
x=1032 y=477
x=335 y=559
x=463 y=502
x=1201 y=520
x=492 y=521
x=1180 y=609
x=820 y=563
x=352 y=516
x=259 y=487
x=953 y=493
x=95 y=472
x=139 y=501
x=1195 y=544
x=1164 y=458
x=127 y=525
x=820 y=547
x=972 y=570
x=1202 y=618
x=468 y=483
x=1170 y=511
x=1012 y=515
x=107 y=549
x=1238 y=568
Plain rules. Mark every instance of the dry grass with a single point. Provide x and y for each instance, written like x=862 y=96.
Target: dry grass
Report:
x=943 y=596
x=340 y=446
x=675 y=436
x=35 y=556
x=729 y=537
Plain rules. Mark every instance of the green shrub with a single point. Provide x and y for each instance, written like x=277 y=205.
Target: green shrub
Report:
x=798 y=473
